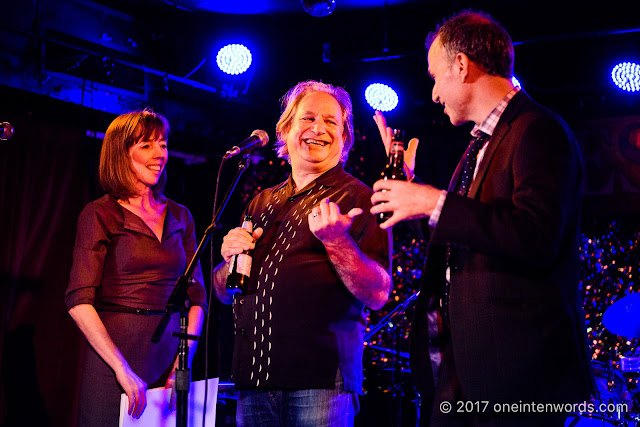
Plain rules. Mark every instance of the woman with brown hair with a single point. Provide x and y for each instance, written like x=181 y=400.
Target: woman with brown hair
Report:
x=131 y=246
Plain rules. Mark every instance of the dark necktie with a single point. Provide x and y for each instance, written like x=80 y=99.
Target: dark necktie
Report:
x=464 y=182
x=469 y=167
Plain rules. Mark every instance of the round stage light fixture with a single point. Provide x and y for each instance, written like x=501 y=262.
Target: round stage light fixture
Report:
x=234 y=59
x=626 y=75
x=381 y=97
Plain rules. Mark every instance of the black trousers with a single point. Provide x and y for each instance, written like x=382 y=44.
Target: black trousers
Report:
x=445 y=411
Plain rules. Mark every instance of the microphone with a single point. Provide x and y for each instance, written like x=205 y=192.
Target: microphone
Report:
x=258 y=139
x=6 y=131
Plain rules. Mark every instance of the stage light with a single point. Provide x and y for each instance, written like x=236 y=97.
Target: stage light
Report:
x=234 y=59
x=626 y=75
x=515 y=81
x=381 y=97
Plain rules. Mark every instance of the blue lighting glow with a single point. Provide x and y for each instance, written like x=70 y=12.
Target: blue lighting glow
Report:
x=234 y=59
x=515 y=81
x=626 y=75
x=381 y=97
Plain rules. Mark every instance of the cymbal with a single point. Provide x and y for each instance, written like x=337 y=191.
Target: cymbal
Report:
x=623 y=316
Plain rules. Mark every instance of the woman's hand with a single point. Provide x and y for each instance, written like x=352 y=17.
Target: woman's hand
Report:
x=135 y=389
x=195 y=322
x=171 y=383
x=87 y=319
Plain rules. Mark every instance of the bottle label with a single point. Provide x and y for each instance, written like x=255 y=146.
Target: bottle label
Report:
x=396 y=147
x=243 y=265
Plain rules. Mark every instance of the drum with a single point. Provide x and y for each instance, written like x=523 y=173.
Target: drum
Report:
x=609 y=382
x=607 y=403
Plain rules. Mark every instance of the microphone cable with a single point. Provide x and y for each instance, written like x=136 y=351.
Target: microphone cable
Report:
x=210 y=299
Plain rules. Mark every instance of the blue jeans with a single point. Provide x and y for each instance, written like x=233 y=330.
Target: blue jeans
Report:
x=297 y=408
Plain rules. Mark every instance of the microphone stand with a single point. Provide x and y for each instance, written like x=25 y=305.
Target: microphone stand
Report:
x=177 y=302
x=400 y=308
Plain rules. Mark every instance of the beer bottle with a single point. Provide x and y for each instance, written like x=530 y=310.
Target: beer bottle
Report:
x=395 y=166
x=240 y=268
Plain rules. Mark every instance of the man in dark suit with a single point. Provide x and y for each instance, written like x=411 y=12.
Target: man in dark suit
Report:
x=503 y=251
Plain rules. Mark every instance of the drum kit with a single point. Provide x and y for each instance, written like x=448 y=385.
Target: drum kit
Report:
x=616 y=404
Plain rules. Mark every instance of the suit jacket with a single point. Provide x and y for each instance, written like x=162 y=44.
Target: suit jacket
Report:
x=516 y=321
